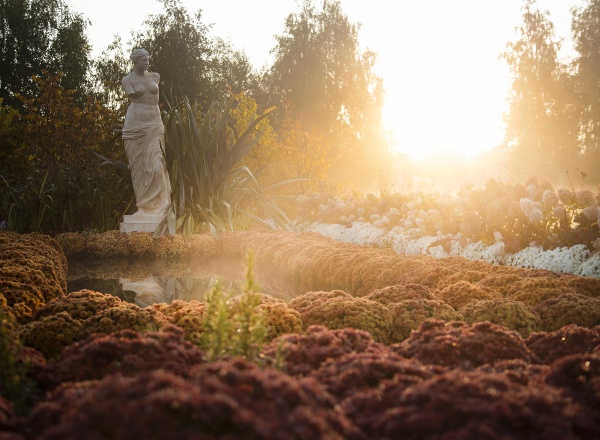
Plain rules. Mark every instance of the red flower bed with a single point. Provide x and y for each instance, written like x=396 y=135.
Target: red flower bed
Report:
x=126 y=352
x=227 y=400
x=460 y=345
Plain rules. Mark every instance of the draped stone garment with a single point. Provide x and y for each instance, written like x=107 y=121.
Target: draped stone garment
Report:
x=148 y=168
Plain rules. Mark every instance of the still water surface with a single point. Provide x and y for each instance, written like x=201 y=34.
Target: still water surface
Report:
x=145 y=283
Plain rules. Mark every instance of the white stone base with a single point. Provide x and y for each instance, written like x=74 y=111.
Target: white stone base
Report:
x=140 y=223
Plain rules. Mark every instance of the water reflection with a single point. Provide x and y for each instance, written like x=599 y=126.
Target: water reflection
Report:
x=150 y=290
x=149 y=282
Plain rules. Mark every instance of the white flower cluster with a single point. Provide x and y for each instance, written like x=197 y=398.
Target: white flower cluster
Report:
x=577 y=259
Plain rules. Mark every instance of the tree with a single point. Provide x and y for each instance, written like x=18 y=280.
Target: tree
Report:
x=38 y=35
x=542 y=118
x=108 y=71
x=586 y=32
x=320 y=71
x=230 y=69
x=179 y=49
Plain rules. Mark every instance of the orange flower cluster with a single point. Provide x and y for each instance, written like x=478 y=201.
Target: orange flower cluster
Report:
x=33 y=270
x=115 y=244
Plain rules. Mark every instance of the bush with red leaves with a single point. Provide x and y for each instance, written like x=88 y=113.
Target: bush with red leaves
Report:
x=578 y=375
x=354 y=372
x=301 y=354
x=460 y=345
x=125 y=352
x=568 y=340
x=469 y=405
x=222 y=400
x=7 y=415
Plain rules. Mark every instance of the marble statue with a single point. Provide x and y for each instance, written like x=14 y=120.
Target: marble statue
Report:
x=143 y=136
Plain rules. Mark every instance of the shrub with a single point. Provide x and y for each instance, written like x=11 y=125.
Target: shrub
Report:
x=342 y=312
x=51 y=334
x=578 y=376
x=568 y=340
x=188 y=315
x=124 y=316
x=32 y=271
x=225 y=399
x=463 y=292
x=21 y=300
x=301 y=354
x=16 y=362
x=409 y=314
x=280 y=319
x=460 y=345
x=400 y=292
x=565 y=309
x=125 y=352
x=534 y=289
x=511 y=314
x=352 y=373
x=80 y=305
x=305 y=301
x=474 y=404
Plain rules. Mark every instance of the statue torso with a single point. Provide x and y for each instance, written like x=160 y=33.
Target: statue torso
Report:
x=143 y=93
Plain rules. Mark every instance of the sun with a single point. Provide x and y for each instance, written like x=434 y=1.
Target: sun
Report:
x=445 y=80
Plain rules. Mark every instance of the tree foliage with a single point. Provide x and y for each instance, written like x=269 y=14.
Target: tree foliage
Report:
x=542 y=120
x=38 y=35
x=586 y=31
x=49 y=178
x=179 y=49
x=320 y=72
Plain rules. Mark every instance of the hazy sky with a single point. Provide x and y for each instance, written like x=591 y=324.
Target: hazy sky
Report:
x=446 y=87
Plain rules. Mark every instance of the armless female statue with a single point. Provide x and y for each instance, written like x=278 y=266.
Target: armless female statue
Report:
x=143 y=136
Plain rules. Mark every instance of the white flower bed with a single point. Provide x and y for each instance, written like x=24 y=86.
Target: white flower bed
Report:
x=577 y=259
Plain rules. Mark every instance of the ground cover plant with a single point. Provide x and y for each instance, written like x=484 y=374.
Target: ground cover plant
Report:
x=214 y=369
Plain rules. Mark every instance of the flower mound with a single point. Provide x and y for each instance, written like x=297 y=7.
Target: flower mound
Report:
x=568 y=340
x=400 y=292
x=304 y=301
x=122 y=317
x=462 y=293
x=354 y=372
x=189 y=315
x=460 y=345
x=409 y=314
x=569 y=308
x=342 y=312
x=301 y=354
x=512 y=314
x=33 y=270
x=125 y=352
x=578 y=376
x=51 y=334
x=281 y=319
x=226 y=399
x=469 y=405
x=79 y=305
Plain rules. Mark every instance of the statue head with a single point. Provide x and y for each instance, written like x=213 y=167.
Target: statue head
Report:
x=138 y=54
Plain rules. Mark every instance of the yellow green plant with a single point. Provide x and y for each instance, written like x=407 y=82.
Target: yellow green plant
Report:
x=238 y=332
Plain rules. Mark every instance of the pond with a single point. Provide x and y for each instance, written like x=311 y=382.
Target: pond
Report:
x=148 y=282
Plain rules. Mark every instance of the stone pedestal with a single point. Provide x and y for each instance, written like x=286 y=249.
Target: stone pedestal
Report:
x=140 y=223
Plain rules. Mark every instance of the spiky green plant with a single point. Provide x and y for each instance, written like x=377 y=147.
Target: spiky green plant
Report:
x=208 y=183
x=238 y=332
